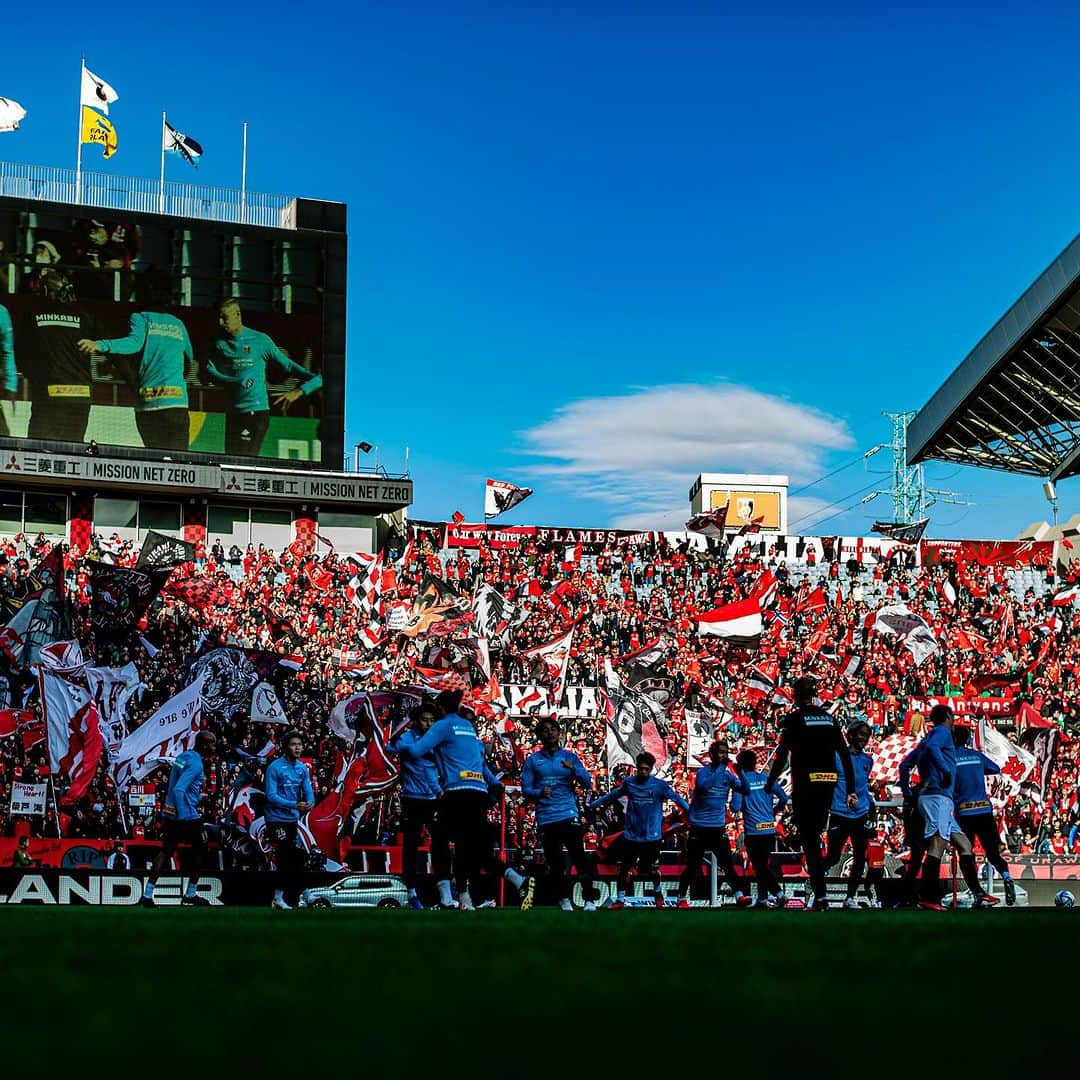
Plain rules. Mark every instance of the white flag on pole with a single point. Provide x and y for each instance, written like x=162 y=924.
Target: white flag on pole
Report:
x=97 y=93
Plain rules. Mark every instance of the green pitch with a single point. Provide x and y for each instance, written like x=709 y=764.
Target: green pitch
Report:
x=511 y=994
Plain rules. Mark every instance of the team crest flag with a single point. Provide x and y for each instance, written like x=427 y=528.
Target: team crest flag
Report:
x=500 y=496
x=98 y=131
x=96 y=93
x=121 y=595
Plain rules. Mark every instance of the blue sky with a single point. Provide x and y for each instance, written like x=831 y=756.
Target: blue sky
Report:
x=599 y=249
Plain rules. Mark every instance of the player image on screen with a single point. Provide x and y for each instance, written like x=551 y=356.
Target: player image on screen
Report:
x=49 y=356
x=239 y=359
x=9 y=379
x=162 y=348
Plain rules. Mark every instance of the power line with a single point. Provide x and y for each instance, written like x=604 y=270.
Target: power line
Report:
x=827 y=476
x=835 y=502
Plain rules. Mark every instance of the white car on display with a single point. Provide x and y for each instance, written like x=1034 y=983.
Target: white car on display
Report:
x=358 y=891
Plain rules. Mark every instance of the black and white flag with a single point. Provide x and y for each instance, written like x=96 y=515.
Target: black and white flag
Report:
x=500 y=496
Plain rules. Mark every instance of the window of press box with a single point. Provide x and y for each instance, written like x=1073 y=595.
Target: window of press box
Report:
x=10 y=513
x=113 y=514
x=45 y=514
x=163 y=517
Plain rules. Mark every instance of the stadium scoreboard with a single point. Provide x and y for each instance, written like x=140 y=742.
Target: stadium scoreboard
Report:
x=153 y=357
x=748 y=497
x=262 y=376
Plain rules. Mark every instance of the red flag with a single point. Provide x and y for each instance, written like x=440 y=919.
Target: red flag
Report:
x=817 y=638
x=815 y=601
x=458 y=517
x=75 y=742
x=968 y=639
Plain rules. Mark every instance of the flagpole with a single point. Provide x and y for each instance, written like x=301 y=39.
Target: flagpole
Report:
x=78 y=132
x=243 y=180
x=161 y=189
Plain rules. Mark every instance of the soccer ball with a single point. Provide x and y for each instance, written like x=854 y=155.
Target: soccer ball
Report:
x=1065 y=899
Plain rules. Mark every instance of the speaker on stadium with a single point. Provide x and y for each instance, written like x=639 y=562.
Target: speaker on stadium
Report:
x=1049 y=490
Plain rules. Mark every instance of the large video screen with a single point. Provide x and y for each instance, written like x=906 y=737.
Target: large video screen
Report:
x=167 y=334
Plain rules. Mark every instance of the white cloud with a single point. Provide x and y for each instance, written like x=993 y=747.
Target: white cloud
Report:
x=640 y=451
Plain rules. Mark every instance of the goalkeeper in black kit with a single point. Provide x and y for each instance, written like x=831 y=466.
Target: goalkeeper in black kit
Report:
x=813 y=741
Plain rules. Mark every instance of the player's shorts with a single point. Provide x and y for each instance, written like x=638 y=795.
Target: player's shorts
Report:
x=191 y=831
x=938 y=816
x=644 y=854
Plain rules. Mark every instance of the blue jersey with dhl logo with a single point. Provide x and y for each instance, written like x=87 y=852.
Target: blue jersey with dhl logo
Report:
x=969 y=786
x=164 y=349
x=760 y=800
x=458 y=753
x=240 y=361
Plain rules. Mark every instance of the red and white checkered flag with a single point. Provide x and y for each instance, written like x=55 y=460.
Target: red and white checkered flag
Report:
x=888 y=755
x=365 y=593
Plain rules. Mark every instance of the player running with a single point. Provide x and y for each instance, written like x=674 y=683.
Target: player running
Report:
x=160 y=343
x=974 y=812
x=937 y=773
x=847 y=822
x=645 y=796
x=181 y=821
x=420 y=791
x=459 y=756
x=814 y=742
x=760 y=800
x=239 y=359
x=708 y=823
x=548 y=776
x=288 y=795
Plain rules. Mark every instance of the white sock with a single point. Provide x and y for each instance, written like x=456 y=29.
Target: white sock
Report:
x=412 y=893
x=514 y=877
x=466 y=899
x=279 y=894
x=190 y=890
x=445 y=895
x=148 y=890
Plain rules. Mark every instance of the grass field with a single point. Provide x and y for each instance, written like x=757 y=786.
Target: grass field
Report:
x=404 y=993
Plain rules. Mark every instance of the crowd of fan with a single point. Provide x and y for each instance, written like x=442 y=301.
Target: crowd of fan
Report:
x=619 y=598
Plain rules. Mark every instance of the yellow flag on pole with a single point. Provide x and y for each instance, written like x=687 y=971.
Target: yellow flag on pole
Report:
x=98 y=130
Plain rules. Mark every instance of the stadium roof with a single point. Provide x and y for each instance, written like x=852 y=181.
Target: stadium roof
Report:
x=1014 y=402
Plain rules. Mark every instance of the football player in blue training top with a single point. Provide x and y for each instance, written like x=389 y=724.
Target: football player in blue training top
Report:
x=458 y=753
x=937 y=772
x=420 y=791
x=645 y=797
x=288 y=795
x=974 y=812
x=239 y=359
x=548 y=777
x=847 y=822
x=181 y=819
x=760 y=799
x=708 y=823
